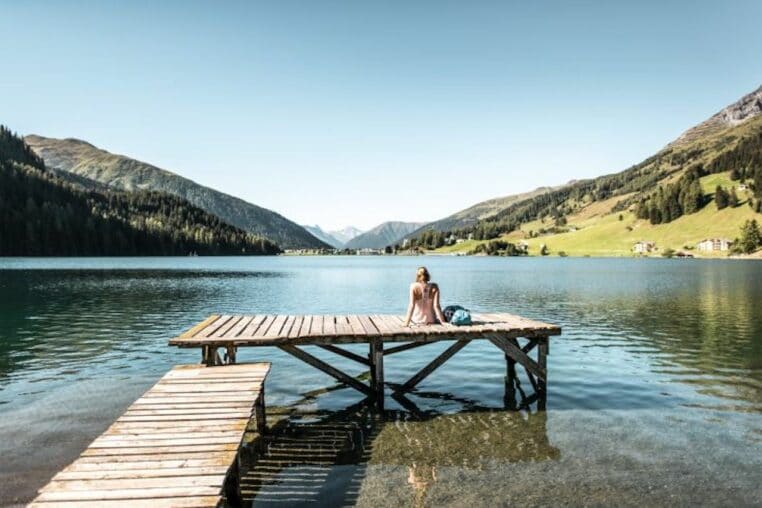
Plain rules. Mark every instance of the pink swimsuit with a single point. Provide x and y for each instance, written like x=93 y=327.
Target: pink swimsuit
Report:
x=423 y=308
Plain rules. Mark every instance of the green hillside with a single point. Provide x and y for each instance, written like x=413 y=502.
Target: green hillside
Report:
x=668 y=198
x=42 y=214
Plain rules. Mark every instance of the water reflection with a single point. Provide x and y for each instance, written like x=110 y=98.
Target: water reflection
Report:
x=325 y=458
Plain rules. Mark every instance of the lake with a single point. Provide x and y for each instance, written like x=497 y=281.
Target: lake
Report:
x=655 y=386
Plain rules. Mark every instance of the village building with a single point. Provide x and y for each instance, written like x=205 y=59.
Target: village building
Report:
x=643 y=247
x=714 y=244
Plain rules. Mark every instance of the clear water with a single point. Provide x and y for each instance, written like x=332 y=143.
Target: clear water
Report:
x=655 y=389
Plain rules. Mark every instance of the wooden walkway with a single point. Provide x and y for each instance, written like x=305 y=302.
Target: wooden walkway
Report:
x=175 y=446
x=220 y=336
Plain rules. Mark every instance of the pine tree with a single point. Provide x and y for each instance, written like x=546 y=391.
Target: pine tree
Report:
x=721 y=198
x=733 y=198
x=751 y=237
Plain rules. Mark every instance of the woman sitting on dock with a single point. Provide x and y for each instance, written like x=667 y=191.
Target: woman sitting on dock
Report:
x=424 y=308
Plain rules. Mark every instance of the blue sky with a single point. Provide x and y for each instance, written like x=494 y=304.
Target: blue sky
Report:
x=357 y=112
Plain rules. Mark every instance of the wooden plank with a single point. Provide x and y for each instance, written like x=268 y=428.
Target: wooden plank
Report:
x=187 y=388
x=381 y=325
x=356 y=325
x=329 y=326
x=133 y=483
x=211 y=330
x=342 y=326
x=321 y=365
x=164 y=502
x=199 y=427
x=367 y=324
x=286 y=331
x=316 y=328
x=396 y=324
x=253 y=326
x=203 y=324
x=275 y=329
x=297 y=325
x=124 y=494
x=224 y=329
x=81 y=466
x=239 y=327
x=305 y=328
x=264 y=327
x=124 y=474
x=434 y=364
x=111 y=455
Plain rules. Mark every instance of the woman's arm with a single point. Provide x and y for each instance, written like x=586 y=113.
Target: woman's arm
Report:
x=410 y=305
x=437 y=307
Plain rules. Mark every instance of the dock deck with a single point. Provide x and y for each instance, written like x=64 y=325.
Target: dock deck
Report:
x=289 y=333
x=174 y=446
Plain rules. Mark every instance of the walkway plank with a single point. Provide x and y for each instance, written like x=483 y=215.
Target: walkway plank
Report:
x=174 y=446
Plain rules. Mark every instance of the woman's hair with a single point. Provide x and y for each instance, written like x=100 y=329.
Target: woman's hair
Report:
x=422 y=275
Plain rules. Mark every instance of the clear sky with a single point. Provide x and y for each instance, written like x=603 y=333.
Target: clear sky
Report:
x=358 y=112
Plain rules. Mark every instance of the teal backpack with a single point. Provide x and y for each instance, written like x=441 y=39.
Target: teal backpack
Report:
x=457 y=315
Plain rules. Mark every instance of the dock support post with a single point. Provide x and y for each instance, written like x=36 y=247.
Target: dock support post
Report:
x=376 y=356
x=509 y=399
x=260 y=414
x=542 y=382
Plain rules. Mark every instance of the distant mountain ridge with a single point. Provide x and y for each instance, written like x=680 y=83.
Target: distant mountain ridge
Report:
x=121 y=172
x=324 y=236
x=387 y=233
x=346 y=234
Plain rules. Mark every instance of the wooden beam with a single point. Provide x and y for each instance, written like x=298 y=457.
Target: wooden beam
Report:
x=405 y=347
x=517 y=354
x=322 y=366
x=435 y=363
x=345 y=353
x=529 y=346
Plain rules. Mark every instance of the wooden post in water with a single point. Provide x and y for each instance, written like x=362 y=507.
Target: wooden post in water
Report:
x=509 y=399
x=376 y=356
x=542 y=382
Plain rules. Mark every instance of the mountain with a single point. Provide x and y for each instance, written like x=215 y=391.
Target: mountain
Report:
x=747 y=107
x=346 y=234
x=42 y=214
x=705 y=184
x=123 y=173
x=324 y=236
x=388 y=233
x=475 y=213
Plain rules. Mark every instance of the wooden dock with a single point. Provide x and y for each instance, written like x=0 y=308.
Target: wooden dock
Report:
x=175 y=446
x=220 y=336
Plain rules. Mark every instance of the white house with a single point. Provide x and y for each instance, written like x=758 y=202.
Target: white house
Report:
x=714 y=244
x=643 y=247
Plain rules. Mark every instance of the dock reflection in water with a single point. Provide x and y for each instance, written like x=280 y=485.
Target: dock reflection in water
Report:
x=360 y=457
